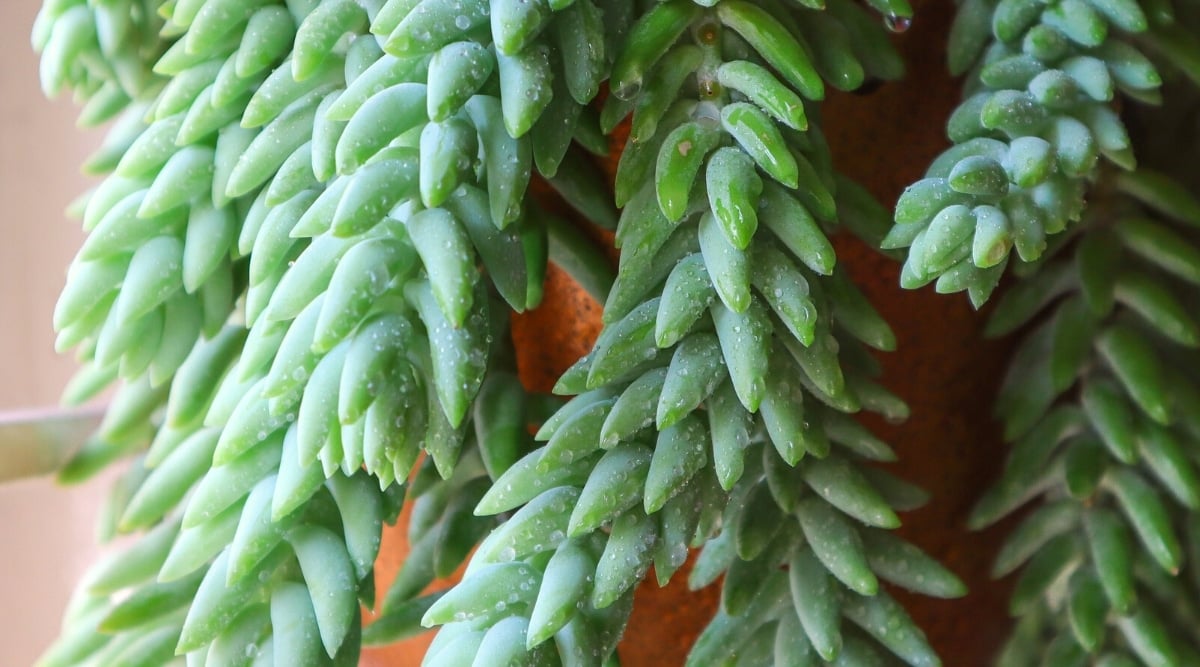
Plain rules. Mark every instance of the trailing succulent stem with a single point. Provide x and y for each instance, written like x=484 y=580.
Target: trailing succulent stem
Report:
x=713 y=409
x=1100 y=399
x=1101 y=403
x=103 y=52
x=283 y=269
x=1038 y=116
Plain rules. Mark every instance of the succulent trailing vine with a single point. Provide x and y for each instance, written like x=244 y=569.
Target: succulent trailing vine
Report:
x=104 y=53
x=1100 y=405
x=713 y=408
x=286 y=255
x=315 y=224
x=1038 y=116
x=1100 y=398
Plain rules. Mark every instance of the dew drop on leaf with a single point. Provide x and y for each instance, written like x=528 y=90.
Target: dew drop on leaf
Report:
x=897 y=24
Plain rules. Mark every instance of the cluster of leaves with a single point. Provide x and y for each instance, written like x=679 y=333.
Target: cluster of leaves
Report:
x=713 y=408
x=301 y=265
x=283 y=270
x=1100 y=403
x=1101 y=398
x=104 y=52
x=1037 y=118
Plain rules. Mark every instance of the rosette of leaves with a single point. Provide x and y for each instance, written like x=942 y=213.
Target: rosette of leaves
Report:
x=284 y=268
x=1038 y=117
x=714 y=407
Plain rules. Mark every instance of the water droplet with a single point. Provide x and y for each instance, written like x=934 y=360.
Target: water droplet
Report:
x=896 y=23
x=628 y=90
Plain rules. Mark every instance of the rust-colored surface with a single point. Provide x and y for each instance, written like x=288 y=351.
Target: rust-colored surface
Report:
x=943 y=369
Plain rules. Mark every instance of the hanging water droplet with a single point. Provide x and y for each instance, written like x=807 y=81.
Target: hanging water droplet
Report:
x=628 y=90
x=896 y=23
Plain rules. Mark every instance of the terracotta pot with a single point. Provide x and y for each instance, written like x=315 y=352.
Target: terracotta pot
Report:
x=943 y=369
